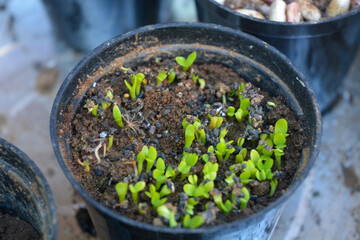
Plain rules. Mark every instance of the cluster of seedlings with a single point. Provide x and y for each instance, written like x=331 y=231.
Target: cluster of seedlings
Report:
x=295 y=11
x=217 y=174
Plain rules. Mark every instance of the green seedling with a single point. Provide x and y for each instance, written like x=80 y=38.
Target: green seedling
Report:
x=148 y=154
x=254 y=156
x=159 y=173
x=124 y=69
x=240 y=142
x=225 y=208
x=240 y=196
x=265 y=146
x=230 y=178
x=165 y=191
x=273 y=184
x=244 y=104
x=171 y=76
x=121 y=189
x=239 y=115
x=188 y=161
x=189 y=136
x=135 y=189
x=168 y=214
x=271 y=104
x=111 y=140
x=248 y=172
x=151 y=192
x=186 y=63
x=194 y=77
x=117 y=116
x=215 y=122
x=264 y=166
x=201 y=191
x=224 y=150
x=85 y=164
x=231 y=111
x=279 y=139
x=109 y=96
x=136 y=81
x=240 y=90
x=90 y=105
x=240 y=157
x=190 y=205
x=223 y=133
x=170 y=172
x=192 y=222
x=161 y=77
x=210 y=170
x=143 y=207
x=202 y=83
x=199 y=131
x=157 y=201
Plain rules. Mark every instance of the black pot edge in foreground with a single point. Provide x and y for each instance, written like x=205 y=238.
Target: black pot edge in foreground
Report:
x=50 y=227
x=201 y=230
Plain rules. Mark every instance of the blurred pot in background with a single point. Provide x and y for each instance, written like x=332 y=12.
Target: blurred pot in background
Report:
x=323 y=51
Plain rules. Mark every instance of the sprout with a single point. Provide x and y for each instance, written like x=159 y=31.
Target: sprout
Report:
x=159 y=173
x=85 y=164
x=186 y=163
x=151 y=192
x=215 y=122
x=239 y=115
x=225 y=208
x=157 y=201
x=170 y=172
x=230 y=178
x=161 y=77
x=171 y=76
x=121 y=189
x=189 y=136
x=202 y=83
x=273 y=184
x=241 y=156
x=134 y=89
x=199 y=131
x=109 y=96
x=279 y=139
x=148 y=154
x=245 y=199
x=231 y=111
x=168 y=214
x=190 y=205
x=244 y=104
x=143 y=207
x=240 y=90
x=90 y=105
x=186 y=63
x=111 y=140
x=117 y=116
x=264 y=166
x=271 y=104
x=224 y=150
x=194 y=77
x=165 y=191
x=198 y=191
x=210 y=170
x=134 y=189
x=193 y=222
x=254 y=156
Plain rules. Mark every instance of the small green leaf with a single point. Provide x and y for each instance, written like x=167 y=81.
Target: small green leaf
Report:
x=160 y=164
x=273 y=184
x=152 y=153
x=239 y=115
x=231 y=111
x=196 y=222
x=172 y=76
x=181 y=61
x=161 y=77
x=121 y=189
x=117 y=116
x=190 y=59
x=254 y=156
x=279 y=138
x=189 y=136
x=193 y=179
x=281 y=126
x=189 y=189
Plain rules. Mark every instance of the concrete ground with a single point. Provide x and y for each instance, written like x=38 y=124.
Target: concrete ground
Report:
x=33 y=63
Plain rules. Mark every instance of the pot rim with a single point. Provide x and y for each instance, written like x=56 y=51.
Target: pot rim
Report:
x=287 y=24
x=30 y=163
x=149 y=227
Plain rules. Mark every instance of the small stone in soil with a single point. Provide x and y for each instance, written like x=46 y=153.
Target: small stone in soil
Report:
x=98 y=172
x=152 y=130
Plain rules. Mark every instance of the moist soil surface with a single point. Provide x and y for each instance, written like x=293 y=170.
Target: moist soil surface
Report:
x=14 y=228
x=155 y=119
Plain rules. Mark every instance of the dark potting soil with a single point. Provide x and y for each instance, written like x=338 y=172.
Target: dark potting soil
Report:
x=14 y=228
x=154 y=119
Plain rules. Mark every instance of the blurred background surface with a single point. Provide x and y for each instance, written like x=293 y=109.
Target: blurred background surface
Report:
x=34 y=60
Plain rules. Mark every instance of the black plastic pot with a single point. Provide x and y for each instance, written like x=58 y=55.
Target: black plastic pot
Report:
x=250 y=57
x=323 y=51
x=86 y=24
x=24 y=191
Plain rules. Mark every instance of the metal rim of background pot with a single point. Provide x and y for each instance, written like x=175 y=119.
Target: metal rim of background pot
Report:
x=304 y=29
x=47 y=208
x=108 y=44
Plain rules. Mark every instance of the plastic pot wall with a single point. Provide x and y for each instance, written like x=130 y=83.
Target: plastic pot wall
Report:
x=250 y=57
x=86 y=24
x=323 y=51
x=24 y=191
